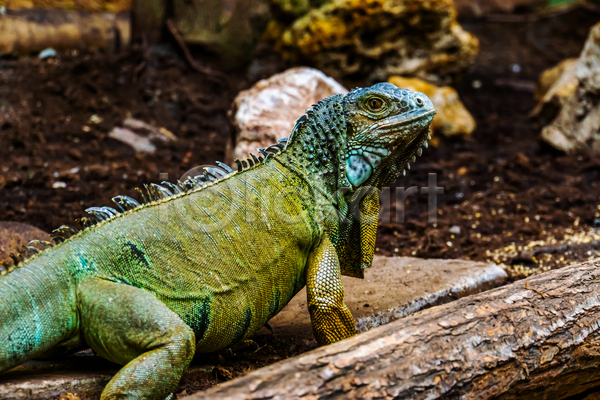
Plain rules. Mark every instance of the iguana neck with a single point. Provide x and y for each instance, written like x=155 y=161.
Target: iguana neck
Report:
x=316 y=147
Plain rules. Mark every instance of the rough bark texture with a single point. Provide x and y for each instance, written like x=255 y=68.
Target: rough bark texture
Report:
x=536 y=339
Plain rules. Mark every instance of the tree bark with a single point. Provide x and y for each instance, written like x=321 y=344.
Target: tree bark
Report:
x=536 y=339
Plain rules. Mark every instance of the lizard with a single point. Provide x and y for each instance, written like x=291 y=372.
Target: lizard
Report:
x=204 y=264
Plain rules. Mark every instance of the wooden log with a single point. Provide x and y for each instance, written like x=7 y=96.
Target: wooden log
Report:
x=28 y=31
x=536 y=339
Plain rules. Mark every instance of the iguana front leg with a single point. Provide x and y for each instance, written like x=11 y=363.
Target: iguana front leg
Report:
x=331 y=319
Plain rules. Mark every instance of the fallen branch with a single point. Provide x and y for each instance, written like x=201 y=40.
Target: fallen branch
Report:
x=535 y=339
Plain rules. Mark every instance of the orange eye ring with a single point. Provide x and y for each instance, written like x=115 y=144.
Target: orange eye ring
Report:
x=375 y=104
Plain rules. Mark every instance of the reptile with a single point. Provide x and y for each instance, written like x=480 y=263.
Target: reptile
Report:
x=204 y=264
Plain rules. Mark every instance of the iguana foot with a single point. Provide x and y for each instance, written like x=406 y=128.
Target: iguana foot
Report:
x=130 y=326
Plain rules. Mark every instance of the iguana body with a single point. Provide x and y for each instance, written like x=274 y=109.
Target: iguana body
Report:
x=201 y=270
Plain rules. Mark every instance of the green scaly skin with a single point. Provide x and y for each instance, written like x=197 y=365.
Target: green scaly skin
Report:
x=202 y=270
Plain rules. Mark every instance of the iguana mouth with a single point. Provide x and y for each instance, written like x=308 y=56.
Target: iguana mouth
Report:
x=401 y=119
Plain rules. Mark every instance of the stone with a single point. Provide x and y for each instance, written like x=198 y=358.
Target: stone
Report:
x=268 y=110
x=13 y=235
x=555 y=86
x=141 y=135
x=577 y=126
x=451 y=117
x=395 y=287
x=373 y=40
x=482 y=7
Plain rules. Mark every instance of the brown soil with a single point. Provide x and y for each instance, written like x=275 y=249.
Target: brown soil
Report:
x=494 y=182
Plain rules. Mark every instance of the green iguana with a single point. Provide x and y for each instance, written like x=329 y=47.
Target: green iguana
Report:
x=201 y=269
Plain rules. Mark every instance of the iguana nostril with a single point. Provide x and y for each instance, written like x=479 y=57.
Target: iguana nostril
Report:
x=419 y=102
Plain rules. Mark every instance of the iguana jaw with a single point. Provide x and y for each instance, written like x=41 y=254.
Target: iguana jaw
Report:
x=397 y=134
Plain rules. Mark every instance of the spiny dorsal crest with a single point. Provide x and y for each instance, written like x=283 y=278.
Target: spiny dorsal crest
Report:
x=25 y=252
x=265 y=154
x=153 y=192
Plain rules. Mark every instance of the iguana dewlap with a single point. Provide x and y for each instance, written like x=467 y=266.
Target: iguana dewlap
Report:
x=202 y=269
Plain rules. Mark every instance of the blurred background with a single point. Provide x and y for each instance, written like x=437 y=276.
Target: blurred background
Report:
x=98 y=97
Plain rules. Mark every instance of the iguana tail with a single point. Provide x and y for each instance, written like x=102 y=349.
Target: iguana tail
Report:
x=37 y=311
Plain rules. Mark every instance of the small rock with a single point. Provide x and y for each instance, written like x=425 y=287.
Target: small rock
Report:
x=139 y=143
x=152 y=131
x=141 y=140
x=555 y=86
x=452 y=118
x=455 y=230
x=378 y=38
x=50 y=52
x=95 y=119
x=268 y=110
x=576 y=127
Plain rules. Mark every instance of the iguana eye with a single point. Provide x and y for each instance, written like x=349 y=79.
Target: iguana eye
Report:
x=375 y=104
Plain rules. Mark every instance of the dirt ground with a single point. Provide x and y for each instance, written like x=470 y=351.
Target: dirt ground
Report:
x=502 y=187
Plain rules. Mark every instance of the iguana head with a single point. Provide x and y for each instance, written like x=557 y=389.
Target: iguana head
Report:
x=385 y=129
x=386 y=126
